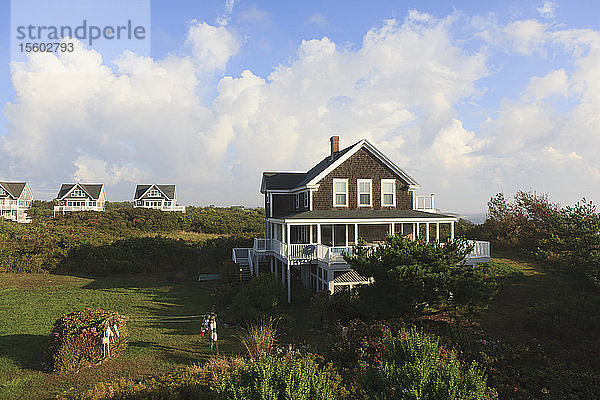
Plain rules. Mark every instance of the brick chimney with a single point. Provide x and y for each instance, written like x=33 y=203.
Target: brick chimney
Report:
x=335 y=144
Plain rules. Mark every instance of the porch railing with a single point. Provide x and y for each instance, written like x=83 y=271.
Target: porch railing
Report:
x=306 y=252
x=425 y=203
x=481 y=250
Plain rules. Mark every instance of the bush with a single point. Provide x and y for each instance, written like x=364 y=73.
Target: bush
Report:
x=261 y=297
x=414 y=366
x=76 y=338
x=412 y=276
x=279 y=378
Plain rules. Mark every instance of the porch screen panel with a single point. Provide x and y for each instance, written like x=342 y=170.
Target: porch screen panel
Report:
x=327 y=235
x=339 y=235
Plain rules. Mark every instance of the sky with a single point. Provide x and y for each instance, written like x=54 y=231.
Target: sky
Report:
x=468 y=98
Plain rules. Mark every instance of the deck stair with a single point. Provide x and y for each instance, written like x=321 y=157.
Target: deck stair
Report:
x=245 y=274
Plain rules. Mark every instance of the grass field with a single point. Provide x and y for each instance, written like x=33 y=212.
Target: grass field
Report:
x=30 y=303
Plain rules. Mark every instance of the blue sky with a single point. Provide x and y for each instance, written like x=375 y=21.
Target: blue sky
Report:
x=504 y=126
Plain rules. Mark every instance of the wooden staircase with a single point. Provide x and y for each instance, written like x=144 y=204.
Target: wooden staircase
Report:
x=245 y=273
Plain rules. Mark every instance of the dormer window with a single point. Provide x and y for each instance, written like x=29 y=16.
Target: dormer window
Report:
x=2 y=192
x=365 y=192
x=388 y=192
x=340 y=192
x=306 y=194
x=77 y=193
x=153 y=193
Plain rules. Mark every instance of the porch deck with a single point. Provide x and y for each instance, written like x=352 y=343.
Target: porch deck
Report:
x=306 y=253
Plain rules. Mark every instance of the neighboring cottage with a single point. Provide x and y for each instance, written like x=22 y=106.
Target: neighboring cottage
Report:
x=357 y=193
x=158 y=197
x=80 y=197
x=15 y=200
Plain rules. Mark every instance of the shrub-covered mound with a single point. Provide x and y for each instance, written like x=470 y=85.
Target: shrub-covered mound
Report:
x=76 y=338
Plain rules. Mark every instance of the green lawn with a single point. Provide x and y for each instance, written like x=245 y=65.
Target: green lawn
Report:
x=30 y=303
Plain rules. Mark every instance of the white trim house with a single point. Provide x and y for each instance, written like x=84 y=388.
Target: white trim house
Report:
x=73 y=197
x=313 y=218
x=15 y=200
x=158 y=197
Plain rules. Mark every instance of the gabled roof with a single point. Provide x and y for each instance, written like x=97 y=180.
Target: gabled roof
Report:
x=167 y=190
x=13 y=188
x=295 y=180
x=92 y=189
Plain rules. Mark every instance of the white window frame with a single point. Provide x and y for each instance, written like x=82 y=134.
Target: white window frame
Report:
x=306 y=194
x=358 y=192
x=154 y=193
x=345 y=182
x=77 y=193
x=297 y=201
x=2 y=192
x=393 y=182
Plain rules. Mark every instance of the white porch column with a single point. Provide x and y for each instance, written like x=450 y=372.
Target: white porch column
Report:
x=437 y=232
x=392 y=229
x=427 y=233
x=346 y=235
x=271 y=263
x=318 y=233
x=452 y=230
x=282 y=274
x=414 y=232
x=311 y=234
x=418 y=231
x=402 y=229
x=355 y=234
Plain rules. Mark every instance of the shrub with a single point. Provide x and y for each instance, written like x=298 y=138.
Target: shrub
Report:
x=76 y=338
x=414 y=366
x=411 y=276
x=279 y=378
x=260 y=297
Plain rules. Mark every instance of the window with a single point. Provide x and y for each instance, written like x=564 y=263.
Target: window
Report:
x=306 y=194
x=340 y=192
x=154 y=193
x=77 y=193
x=388 y=192
x=364 y=192
x=2 y=192
x=297 y=200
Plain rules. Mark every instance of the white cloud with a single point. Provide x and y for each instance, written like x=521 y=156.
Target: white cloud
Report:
x=403 y=88
x=94 y=170
x=556 y=83
x=211 y=46
x=547 y=9
x=455 y=146
x=317 y=19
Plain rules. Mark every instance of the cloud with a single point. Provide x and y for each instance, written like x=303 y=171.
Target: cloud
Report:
x=148 y=121
x=547 y=9
x=182 y=119
x=556 y=83
x=318 y=20
x=211 y=46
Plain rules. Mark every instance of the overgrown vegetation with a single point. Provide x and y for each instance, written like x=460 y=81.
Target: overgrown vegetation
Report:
x=414 y=277
x=75 y=339
x=124 y=240
x=534 y=226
